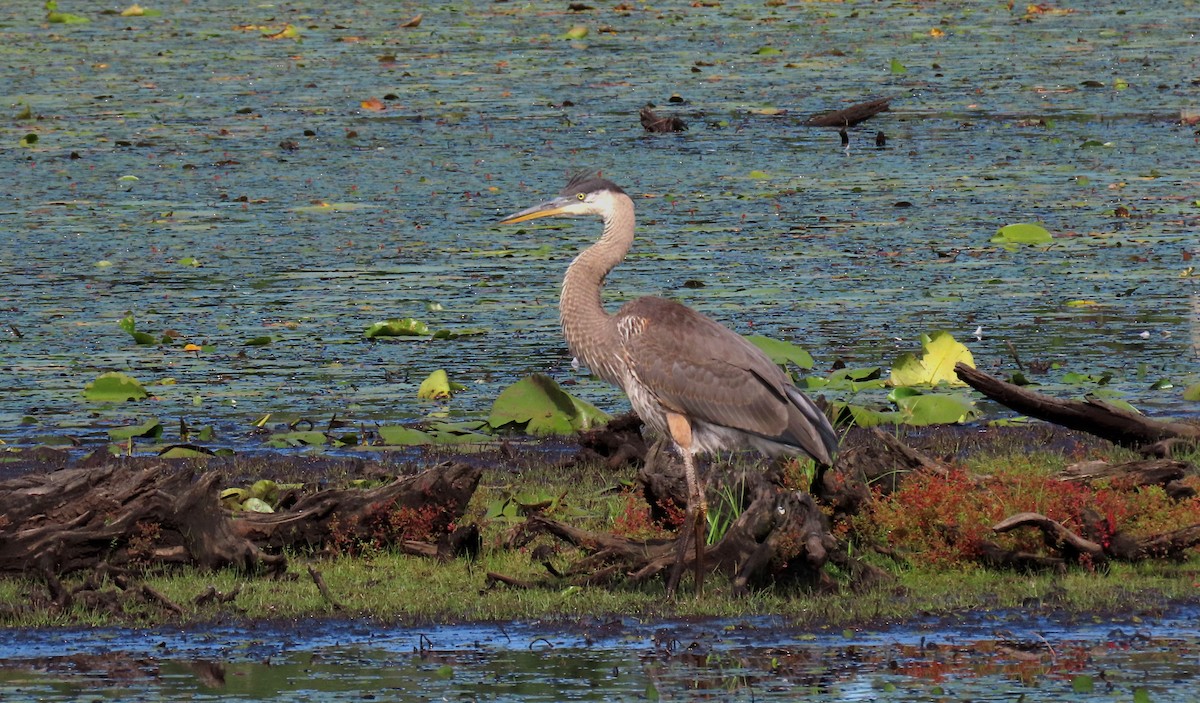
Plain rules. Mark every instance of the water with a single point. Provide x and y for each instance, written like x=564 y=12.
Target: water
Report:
x=973 y=657
x=233 y=138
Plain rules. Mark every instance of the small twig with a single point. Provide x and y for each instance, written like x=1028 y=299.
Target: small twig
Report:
x=1012 y=349
x=156 y=595
x=493 y=577
x=16 y=331
x=325 y=593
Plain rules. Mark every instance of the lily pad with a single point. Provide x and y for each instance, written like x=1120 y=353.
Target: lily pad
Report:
x=932 y=408
x=782 y=353
x=936 y=365
x=114 y=387
x=399 y=436
x=309 y=438
x=1192 y=393
x=403 y=327
x=1023 y=233
x=185 y=451
x=438 y=386
x=541 y=407
x=152 y=429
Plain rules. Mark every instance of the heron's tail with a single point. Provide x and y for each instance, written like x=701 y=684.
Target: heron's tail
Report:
x=810 y=429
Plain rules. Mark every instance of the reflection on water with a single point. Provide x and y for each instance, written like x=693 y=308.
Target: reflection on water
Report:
x=987 y=657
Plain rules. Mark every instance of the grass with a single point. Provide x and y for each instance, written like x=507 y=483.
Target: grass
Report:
x=938 y=575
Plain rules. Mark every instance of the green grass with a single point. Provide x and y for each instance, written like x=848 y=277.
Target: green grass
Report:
x=398 y=588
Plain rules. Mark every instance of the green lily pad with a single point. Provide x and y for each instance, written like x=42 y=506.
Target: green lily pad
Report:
x=309 y=438
x=782 y=353
x=539 y=405
x=405 y=327
x=53 y=16
x=114 y=387
x=398 y=436
x=150 y=428
x=257 y=505
x=1192 y=393
x=1022 y=233
x=933 y=408
x=867 y=417
x=128 y=324
x=936 y=365
x=185 y=451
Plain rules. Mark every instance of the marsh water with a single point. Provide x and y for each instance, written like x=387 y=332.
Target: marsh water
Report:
x=227 y=189
x=982 y=657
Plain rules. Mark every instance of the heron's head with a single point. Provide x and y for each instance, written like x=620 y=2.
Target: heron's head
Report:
x=586 y=194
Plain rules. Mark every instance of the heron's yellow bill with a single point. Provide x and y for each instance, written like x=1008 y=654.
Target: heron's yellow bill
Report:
x=558 y=206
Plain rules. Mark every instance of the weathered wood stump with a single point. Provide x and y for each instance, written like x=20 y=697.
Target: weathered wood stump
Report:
x=74 y=519
x=153 y=515
x=410 y=512
x=773 y=534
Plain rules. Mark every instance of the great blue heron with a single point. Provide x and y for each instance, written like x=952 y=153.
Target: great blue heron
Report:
x=687 y=376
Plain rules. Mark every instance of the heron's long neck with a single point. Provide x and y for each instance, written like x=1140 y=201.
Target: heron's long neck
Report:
x=590 y=331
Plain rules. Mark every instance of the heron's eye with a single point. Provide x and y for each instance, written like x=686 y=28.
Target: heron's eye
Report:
x=582 y=196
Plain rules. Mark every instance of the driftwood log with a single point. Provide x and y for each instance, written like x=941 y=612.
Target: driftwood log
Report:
x=1091 y=415
x=404 y=513
x=121 y=517
x=850 y=116
x=74 y=519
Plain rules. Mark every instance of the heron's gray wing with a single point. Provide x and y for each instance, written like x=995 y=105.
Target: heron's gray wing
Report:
x=700 y=369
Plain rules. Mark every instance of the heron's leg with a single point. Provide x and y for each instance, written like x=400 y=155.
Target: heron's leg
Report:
x=681 y=432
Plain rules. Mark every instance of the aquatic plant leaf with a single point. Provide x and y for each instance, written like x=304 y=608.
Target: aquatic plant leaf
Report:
x=114 y=387
x=921 y=409
x=577 y=32
x=403 y=327
x=542 y=407
x=438 y=385
x=1192 y=393
x=780 y=352
x=897 y=68
x=257 y=505
x=53 y=16
x=266 y=489
x=1022 y=233
x=127 y=323
x=185 y=451
x=150 y=428
x=232 y=498
x=768 y=51
x=866 y=417
x=28 y=140
x=1141 y=695
x=936 y=365
x=399 y=436
x=1083 y=684
x=136 y=10
x=651 y=693
x=257 y=341
x=284 y=440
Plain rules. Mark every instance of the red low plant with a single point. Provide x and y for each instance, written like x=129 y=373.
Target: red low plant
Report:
x=942 y=519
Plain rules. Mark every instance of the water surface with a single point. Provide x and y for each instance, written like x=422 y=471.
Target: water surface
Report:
x=312 y=217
